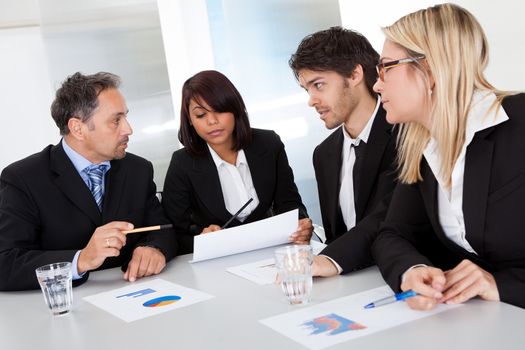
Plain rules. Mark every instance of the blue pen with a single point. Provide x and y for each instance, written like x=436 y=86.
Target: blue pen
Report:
x=392 y=299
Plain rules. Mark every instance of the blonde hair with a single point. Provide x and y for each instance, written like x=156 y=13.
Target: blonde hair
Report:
x=456 y=51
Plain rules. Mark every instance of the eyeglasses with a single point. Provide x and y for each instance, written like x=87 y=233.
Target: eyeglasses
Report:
x=383 y=67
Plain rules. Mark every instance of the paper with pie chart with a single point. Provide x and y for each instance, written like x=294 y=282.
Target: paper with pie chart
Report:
x=140 y=300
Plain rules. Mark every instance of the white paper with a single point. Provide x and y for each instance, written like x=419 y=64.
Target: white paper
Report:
x=261 y=272
x=269 y=232
x=264 y=271
x=140 y=300
x=343 y=319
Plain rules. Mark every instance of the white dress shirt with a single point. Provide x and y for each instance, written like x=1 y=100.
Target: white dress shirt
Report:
x=450 y=201
x=236 y=184
x=346 y=189
x=346 y=186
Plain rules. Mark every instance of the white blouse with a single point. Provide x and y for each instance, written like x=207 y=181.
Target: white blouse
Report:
x=450 y=201
x=236 y=184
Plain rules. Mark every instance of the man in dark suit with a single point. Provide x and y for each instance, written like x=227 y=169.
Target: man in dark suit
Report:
x=72 y=201
x=354 y=166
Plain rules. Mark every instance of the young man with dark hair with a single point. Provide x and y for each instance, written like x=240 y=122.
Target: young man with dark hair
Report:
x=354 y=166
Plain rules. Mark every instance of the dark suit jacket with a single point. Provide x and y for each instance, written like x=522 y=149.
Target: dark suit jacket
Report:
x=493 y=208
x=192 y=196
x=352 y=249
x=47 y=213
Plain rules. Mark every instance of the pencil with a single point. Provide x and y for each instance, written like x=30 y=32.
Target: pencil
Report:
x=149 y=228
x=236 y=214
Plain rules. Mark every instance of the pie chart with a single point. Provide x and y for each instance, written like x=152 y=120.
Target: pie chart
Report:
x=162 y=301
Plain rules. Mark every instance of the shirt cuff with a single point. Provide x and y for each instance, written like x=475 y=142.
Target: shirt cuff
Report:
x=74 y=267
x=339 y=269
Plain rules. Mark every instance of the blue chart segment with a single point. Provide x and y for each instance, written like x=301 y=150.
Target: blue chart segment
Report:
x=137 y=294
x=162 y=301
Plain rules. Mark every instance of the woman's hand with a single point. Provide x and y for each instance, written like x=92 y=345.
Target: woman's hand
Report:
x=428 y=282
x=211 y=228
x=468 y=280
x=303 y=233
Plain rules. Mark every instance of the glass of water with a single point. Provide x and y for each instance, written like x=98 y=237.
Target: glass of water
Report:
x=294 y=265
x=57 y=287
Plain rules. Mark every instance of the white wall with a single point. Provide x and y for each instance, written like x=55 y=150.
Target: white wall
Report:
x=25 y=95
x=502 y=21
x=26 y=91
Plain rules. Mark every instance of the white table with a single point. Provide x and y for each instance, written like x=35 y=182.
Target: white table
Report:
x=230 y=320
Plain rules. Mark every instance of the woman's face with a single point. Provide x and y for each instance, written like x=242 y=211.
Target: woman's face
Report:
x=405 y=92
x=213 y=127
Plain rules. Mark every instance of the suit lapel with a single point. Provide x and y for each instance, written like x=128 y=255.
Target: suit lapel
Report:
x=331 y=164
x=429 y=188
x=429 y=192
x=475 y=191
x=259 y=161
x=71 y=184
x=207 y=186
x=115 y=182
x=478 y=164
x=375 y=148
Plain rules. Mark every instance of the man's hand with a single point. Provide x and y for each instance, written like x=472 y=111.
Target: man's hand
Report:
x=428 y=282
x=468 y=280
x=303 y=233
x=323 y=267
x=211 y=228
x=106 y=241
x=146 y=261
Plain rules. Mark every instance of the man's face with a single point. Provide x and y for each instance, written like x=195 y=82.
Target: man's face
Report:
x=330 y=94
x=106 y=133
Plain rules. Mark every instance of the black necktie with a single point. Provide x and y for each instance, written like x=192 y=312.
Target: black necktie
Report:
x=356 y=172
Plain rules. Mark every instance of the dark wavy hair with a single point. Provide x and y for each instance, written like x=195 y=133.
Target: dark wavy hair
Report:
x=339 y=50
x=78 y=97
x=220 y=94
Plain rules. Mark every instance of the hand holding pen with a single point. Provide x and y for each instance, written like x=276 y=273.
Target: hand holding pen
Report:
x=425 y=282
x=213 y=228
x=429 y=283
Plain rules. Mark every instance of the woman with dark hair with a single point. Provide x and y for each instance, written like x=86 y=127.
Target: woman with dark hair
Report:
x=223 y=164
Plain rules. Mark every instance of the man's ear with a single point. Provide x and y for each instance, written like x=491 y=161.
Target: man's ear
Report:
x=75 y=128
x=357 y=75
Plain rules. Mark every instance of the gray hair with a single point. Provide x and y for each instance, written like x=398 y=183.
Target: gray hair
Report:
x=78 y=97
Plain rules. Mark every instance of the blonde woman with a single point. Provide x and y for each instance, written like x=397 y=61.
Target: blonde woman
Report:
x=455 y=227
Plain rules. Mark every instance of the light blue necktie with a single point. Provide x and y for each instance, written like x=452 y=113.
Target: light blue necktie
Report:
x=95 y=174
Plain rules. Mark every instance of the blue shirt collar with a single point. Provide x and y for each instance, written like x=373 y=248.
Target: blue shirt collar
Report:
x=79 y=162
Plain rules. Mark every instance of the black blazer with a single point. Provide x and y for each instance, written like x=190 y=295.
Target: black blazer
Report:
x=352 y=249
x=192 y=196
x=47 y=213
x=493 y=208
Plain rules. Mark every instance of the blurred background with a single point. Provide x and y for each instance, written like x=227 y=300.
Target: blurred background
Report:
x=155 y=45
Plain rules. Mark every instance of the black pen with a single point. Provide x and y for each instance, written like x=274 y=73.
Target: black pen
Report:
x=236 y=214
